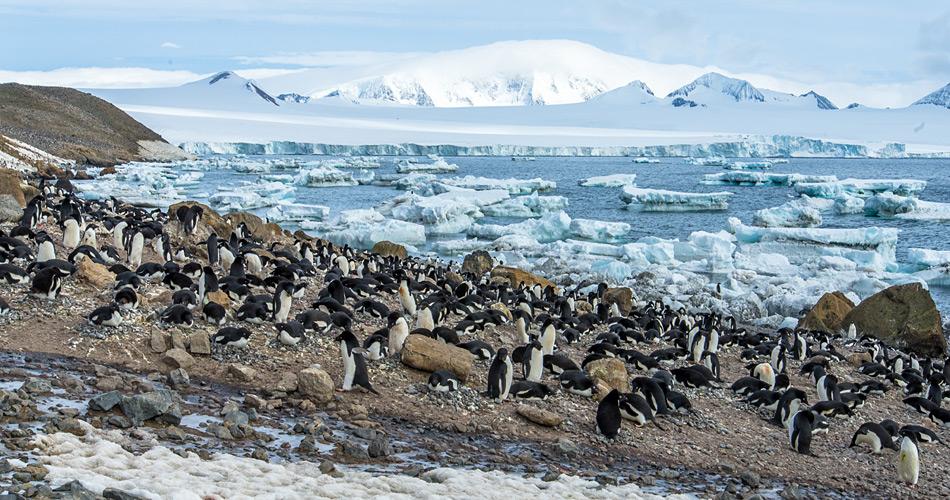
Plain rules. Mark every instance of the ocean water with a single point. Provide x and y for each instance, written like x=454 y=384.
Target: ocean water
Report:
x=602 y=203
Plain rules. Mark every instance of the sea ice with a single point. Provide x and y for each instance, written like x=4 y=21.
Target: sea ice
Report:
x=742 y=178
x=292 y=212
x=514 y=186
x=363 y=228
x=595 y=230
x=923 y=258
x=437 y=166
x=448 y=213
x=614 y=180
x=324 y=176
x=795 y=213
x=748 y=165
x=415 y=181
x=861 y=187
x=646 y=160
x=548 y=228
x=525 y=207
x=928 y=210
x=659 y=200
x=888 y=205
x=710 y=161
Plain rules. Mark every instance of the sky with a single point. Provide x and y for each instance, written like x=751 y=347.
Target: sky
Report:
x=882 y=53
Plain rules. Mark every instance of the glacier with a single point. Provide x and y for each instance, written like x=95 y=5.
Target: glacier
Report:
x=660 y=200
x=613 y=180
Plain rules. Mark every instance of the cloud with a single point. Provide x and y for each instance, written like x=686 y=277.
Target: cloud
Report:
x=102 y=78
x=258 y=73
x=170 y=45
x=328 y=58
x=933 y=43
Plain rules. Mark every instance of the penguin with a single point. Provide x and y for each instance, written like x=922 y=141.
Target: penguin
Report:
x=500 y=374
x=548 y=337
x=212 y=245
x=373 y=308
x=831 y=408
x=177 y=315
x=424 y=319
x=920 y=434
x=376 y=346
x=71 y=234
x=406 y=299
x=214 y=313
x=532 y=391
x=354 y=366
x=252 y=312
x=908 y=461
x=283 y=301
x=827 y=387
x=800 y=431
x=186 y=298
x=653 y=393
x=47 y=283
x=559 y=363
x=788 y=405
x=921 y=405
x=533 y=362
x=13 y=274
x=106 y=316
x=875 y=436
x=290 y=333
x=749 y=385
x=443 y=381
x=608 y=415
x=45 y=250
x=118 y=234
x=765 y=373
x=522 y=321
x=398 y=332
x=134 y=249
x=479 y=348
x=231 y=336
x=941 y=417
x=764 y=398
x=577 y=382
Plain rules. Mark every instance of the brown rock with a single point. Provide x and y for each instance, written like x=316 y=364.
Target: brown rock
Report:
x=390 y=249
x=199 y=343
x=288 y=382
x=602 y=390
x=583 y=306
x=428 y=354
x=612 y=372
x=316 y=384
x=478 y=263
x=210 y=222
x=178 y=358
x=241 y=373
x=622 y=296
x=904 y=316
x=10 y=184
x=94 y=274
x=516 y=277
x=859 y=358
x=827 y=314
x=539 y=416
x=219 y=297
x=107 y=171
x=260 y=230
x=498 y=306
x=158 y=342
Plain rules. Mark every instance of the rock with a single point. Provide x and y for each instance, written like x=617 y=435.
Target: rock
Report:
x=36 y=471
x=498 y=306
x=478 y=263
x=539 y=416
x=316 y=384
x=210 y=222
x=288 y=382
x=750 y=479
x=10 y=210
x=105 y=401
x=236 y=417
x=119 y=422
x=219 y=297
x=859 y=358
x=610 y=371
x=94 y=274
x=904 y=316
x=74 y=490
x=430 y=355
x=390 y=249
x=178 y=358
x=107 y=171
x=178 y=378
x=516 y=277
x=379 y=446
x=622 y=296
x=199 y=343
x=255 y=401
x=260 y=454
x=109 y=382
x=828 y=313
x=178 y=341
x=241 y=373
x=158 y=342
x=567 y=447
x=10 y=185
x=117 y=494
x=259 y=229
x=37 y=386
x=149 y=405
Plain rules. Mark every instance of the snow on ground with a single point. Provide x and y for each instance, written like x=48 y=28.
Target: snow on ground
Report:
x=614 y=180
x=661 y=200
x=98 y=461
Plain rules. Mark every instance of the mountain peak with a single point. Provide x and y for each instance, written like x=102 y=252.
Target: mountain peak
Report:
x=939 y=97
x=230 y=79
x=821 y=101
x=740 y=90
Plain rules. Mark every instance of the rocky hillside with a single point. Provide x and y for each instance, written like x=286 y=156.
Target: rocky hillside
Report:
x=78 y=126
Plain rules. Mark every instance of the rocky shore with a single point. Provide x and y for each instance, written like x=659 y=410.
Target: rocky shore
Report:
x=160 y=386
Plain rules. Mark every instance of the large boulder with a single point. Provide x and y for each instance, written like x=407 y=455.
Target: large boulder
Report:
x=390 y=249
x=516 y=277
x=904 y=316
x=94 y=274
x=259 y=229
x=210 y=222
x=316 y=384
x=610 y=371
x=10 y=210
x=540 y=416
x=622 y=296
x=428 y=354
x=149 y=405
x=478 y=263
x=828 y=313
x=10 y=185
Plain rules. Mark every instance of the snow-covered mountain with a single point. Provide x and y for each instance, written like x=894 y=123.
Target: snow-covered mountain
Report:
x=939 y=97
x=714 y=89
x=224 y=90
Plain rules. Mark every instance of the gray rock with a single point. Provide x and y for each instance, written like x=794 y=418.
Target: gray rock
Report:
x=105 y=401
x=10 y=210
x=352 y=450
x=199 y=343
x=76 y=491
x=116 y=494
x=178 y=378
x=157 y=342
x=119 y=421
x=379 y=447
x=37 y=386
x=750 y=479
x=236 y=417
x=149 y=405
x=178 y=358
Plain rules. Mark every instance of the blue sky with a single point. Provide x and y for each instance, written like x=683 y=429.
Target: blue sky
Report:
x=862 y=43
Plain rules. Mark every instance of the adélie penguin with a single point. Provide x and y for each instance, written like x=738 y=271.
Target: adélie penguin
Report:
x=500 y=374
x=354 y=365
x=443 y=381
x=608 y=415
x=107 y=315
x=874 y=435
x=800 y=431
x=231 y=336
x=290 y=333
x=908 y=461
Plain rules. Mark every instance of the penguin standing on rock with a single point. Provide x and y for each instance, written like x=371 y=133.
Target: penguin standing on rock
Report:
x=500 y=374
x=354 y=366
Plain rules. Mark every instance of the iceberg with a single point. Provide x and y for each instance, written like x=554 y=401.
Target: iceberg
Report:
x=415 y=182
x=923 y=258
x=889 y=205
x=354 y=162
x=711 y=161
x=595 y=230
x=363 y=228
x=615 y=180
x=646 y=160
x=613 y=271
x=513 y=186
x=659 y=200
x=742 y=178
x=438 y=166
x=451 y=212
x=324 y=176
x=239 y=200
x=861 y=187
x=548 y=228
x=294 y=212
x=526 y=207
x=928 y=210
x=748 y=165
x=847 y=204
x=795 y=213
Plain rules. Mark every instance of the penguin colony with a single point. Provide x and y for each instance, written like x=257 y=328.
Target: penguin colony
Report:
x=265 y=288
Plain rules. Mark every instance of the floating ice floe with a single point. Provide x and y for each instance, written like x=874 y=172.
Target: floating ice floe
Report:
x=748 y=165
x=795 y=213
x=928 y=210
x=415 y=182
x=355 y=162
x=324 y=176
x=363 y=228
x=524 y=207
x=294 y=212
x=595 y=230
x=646 y=160
x=614 y=180
x=143 y=184
x=448 y=213
x=513 y=186
x=660 y=200
x=923 y=258
x=905 y=207
x=861 y=187
x=848 y=204
x=742 y=178
x=548 y=228
x=711 y=161
x=437 y=166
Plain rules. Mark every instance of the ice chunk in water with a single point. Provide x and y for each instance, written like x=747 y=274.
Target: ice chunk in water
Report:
x=748 y=165
x=928 y=210
x=888 y=205
x=614 y=180
x=324 y=176
x=438 y=166
x=848 y=204
x=862 y=187
x=364 y=228
x=448 y=213
x=923 y=258
x=513 y=186
x=550 y=227
x=795 y=213
x=292 y=212
x=741 y=178
x=612 y=271
x=525 y=207
x=415 y=182
x=596 y=230
x=660 y=200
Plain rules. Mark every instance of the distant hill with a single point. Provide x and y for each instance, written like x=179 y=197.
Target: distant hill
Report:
x=78 y=126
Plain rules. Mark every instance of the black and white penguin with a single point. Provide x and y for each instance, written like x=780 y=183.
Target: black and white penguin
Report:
x=136 y=245
x=290 y=333
x=354 y=366
x=283 y=301
x=231 y=336
x=177 y=315
x=212 y=244
x=71 y=233
x=800 y=431
x=406 y=299
x=531 y=391
x=481 y=349
x=941 y=417
x=608 y=415
x=443 y=381
x=126 y=299
x=908 y=461
x=827 y=387
x=47 y=283
x=500 y=375
x=13 y=274
x=377 y=346
x=920 y=434
x=577 y=382
x=106 y=316
x=635 y=409
x=533 y=362
x=398 y=332
x=44 y=249
x=186 y=298
x=253 y=312
x=214 y=313
x=548 y=337
x=522 y=322
x=788 y=406
x=653 y=392
x=372 y=308
x=874 y=435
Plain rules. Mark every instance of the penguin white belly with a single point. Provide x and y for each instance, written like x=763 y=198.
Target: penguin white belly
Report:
x=425 y=319
x=509 y=374
x=406 y=300
x=908 y=462
x=349 y=368
x=522 y=331
x=117 y=234
x=547 y=340
x=115 y=320
x=283 y=312
x=537 y=366
x=286 y=339
x=397 y=336
x=71 y=234
x=46 y=251
x=135 y=254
